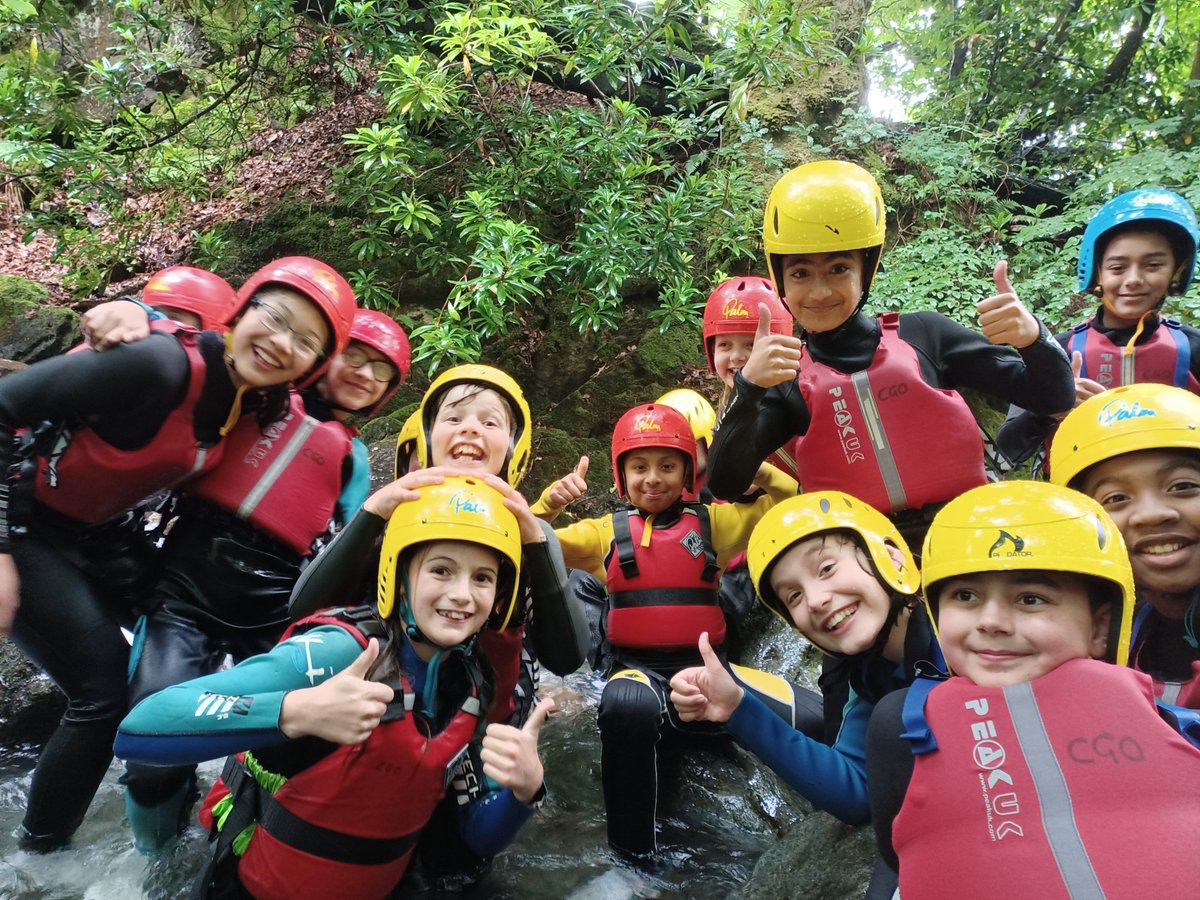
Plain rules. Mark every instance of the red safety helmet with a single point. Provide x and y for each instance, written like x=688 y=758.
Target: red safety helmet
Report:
x=732 y=308
x=319 y=283
x=380 y=332
x=193 y=290
x=653 y=425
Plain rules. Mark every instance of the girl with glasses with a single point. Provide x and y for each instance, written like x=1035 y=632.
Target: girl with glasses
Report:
x=103 y=430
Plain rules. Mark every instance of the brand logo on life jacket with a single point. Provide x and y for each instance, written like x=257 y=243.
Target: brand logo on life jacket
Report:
x=647 y=422
x=847 y=434
x=1018 y=545
x=989 y=756
x=270 y=435
x=735 y=309
x=1115 y=411
x=693 y=543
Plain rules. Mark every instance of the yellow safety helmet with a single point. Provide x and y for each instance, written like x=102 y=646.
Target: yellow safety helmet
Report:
x=1126 y=419
x=822 y=207
x=461 y=508
x=520 y=447
x=1030 y=525
x=808 y=515
x=695 y=408
x=406 y=440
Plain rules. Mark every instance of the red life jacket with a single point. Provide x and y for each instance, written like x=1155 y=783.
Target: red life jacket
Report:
x=1012 y=793
x=1166 y=358
x=84 y=477
x=345 y=826
x=884 y=435
x=662 y=582
x=285 y=479
x=784 y=459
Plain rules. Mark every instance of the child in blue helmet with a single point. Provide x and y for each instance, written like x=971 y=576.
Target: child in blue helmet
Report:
x=1139 y=249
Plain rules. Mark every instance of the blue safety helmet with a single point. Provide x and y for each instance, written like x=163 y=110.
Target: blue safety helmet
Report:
x=1146 y=205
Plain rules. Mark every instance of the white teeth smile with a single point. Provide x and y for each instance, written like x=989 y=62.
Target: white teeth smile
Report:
x=454 y=616
x=839 y=617
x=1162 y=548
x=466 y=451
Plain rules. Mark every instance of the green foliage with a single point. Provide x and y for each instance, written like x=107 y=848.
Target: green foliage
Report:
x=514 y=194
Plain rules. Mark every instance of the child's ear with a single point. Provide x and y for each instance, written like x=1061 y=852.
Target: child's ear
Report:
x=896 y=556
x=1101 y=624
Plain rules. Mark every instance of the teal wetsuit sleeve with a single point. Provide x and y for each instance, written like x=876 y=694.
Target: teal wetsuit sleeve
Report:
x=234 y=710
x=358 y=485
x=832 y=778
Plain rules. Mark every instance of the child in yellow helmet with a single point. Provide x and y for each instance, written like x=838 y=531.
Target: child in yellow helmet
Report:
x=1135 y=449
x=838 y=571
x=874 y=397
x=342 y=760
x=1039 y=768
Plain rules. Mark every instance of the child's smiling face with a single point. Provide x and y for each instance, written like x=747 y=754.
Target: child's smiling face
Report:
x=453 y=591
x=730 y=352
x=832 y=594
x=1005 y=628
x=1153 y=497
x=822 y=290
x=654 y=477
x=1135 y=275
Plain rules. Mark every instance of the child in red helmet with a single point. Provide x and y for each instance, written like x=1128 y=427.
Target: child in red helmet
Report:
x=126 y=423
x=241 y=534
x=730 y=323
x=661 y=560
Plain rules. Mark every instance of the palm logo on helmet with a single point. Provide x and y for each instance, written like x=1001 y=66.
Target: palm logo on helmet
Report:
x=1157 y=209
x=520 y=454
x=460 y=508
x=200 y=292
x=652 y=425
x=1060 y=530
x=1124 y=420
x=381 y=333
x=824 y=207
x=732 y=308
x=695 y=408
x=319 y=283
x=806 y=516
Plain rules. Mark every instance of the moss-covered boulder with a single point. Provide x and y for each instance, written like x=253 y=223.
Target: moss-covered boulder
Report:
x=30 y=329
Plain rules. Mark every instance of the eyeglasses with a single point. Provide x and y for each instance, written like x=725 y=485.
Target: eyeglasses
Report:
x=381 y=369
x=277 y=322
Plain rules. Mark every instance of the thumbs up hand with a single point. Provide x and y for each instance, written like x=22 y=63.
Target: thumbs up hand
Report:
x=510 y=755
x=1003 y=318
x=705 y=693
x=1084 y=387
x=775 y=357
x=344 y=709
x=570 y=487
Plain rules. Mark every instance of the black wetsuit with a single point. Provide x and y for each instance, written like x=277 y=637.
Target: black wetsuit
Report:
x=69 y=619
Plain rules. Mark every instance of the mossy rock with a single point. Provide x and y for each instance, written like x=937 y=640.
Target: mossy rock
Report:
x=30 y=330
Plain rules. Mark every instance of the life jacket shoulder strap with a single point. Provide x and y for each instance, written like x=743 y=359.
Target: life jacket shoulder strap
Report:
x=916 y=727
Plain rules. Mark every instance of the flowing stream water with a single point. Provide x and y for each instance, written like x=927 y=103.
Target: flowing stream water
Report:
x=715 y=822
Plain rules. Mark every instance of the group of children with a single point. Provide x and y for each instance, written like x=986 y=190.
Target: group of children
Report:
x=983 y=688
